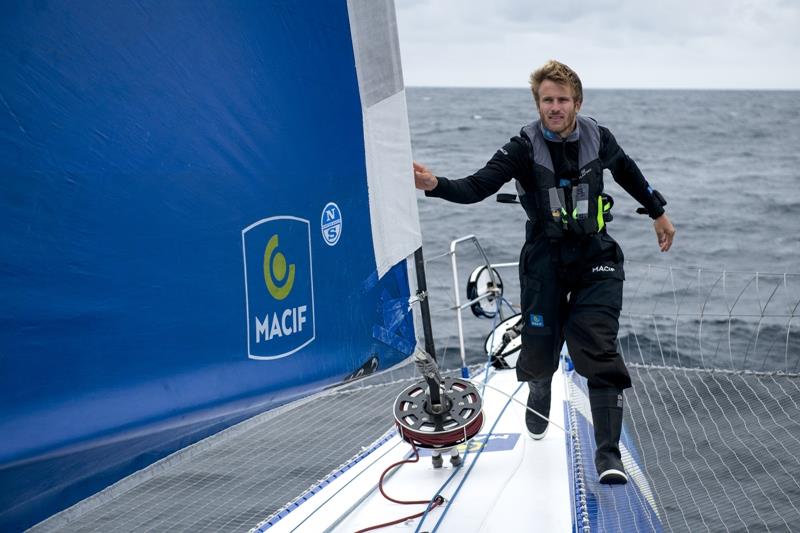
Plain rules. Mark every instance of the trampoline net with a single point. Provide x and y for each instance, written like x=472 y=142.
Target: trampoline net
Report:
x=714 y=411
x=236 y=479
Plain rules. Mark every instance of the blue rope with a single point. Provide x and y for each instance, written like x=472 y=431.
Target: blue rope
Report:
x=439 y=492
x=466 y=452
x=510 y=306
x=452 y=499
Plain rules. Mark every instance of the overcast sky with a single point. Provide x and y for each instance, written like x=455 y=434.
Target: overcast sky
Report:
x=751 y=44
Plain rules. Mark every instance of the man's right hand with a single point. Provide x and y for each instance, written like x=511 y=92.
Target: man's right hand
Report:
x=665 y=232
x=424 y=178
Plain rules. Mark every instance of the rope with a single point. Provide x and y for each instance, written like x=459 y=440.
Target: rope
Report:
x=471 y=466
x=436 y=501
x=534 y=411
x=443 y=440
x=489 y=354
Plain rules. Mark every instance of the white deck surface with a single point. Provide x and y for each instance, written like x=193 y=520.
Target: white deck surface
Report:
x=525 y=488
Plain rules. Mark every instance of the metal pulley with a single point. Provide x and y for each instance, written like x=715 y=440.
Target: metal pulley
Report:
x=504 y=341
x=485 y=282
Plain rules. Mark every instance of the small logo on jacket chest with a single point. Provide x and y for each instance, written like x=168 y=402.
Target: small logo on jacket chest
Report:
x=603 y=268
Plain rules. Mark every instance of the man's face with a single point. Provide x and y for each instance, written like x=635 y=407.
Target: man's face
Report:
x=557 y=107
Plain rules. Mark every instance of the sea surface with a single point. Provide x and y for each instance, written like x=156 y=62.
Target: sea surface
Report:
x=727 y=162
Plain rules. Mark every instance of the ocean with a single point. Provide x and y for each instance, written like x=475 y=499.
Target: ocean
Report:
x=727 y=163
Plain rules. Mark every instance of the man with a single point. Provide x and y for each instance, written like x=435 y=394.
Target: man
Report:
x=571 y=270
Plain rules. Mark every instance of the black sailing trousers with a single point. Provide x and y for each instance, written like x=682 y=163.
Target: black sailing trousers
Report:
x=575 y=296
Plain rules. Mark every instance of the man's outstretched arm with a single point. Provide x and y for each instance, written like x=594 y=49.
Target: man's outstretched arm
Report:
x=504 y=165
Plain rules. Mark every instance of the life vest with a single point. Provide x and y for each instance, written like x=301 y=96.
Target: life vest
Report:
x=576 y=208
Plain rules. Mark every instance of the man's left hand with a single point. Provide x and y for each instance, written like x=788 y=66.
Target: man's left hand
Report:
x=665 y=232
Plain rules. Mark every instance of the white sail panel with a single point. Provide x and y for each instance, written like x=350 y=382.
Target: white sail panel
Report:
x=392 y=198
x=387 y=141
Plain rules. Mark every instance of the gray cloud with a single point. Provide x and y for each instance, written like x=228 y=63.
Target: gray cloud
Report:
x=676 y=43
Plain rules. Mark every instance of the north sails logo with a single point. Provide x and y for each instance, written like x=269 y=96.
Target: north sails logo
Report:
x=603 y=268
x=278 y=287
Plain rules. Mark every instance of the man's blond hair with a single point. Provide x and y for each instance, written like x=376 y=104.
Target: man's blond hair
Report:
x=559 y=73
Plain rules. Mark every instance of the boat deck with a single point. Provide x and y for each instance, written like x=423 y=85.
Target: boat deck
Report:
x=508 y=481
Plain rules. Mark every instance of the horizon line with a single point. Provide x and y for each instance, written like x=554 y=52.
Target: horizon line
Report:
x=742 y=89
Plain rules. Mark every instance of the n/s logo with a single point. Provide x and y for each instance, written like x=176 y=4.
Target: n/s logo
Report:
x=279 y=288
x=331 y=223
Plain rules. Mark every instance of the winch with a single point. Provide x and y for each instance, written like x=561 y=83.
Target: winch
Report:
x=438 y=413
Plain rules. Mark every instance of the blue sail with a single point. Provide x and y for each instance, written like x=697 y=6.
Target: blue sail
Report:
x=204 y=215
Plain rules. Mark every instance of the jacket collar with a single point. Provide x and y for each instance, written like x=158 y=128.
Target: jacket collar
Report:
x=553 y=136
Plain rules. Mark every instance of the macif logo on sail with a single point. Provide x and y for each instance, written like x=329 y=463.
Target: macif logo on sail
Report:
x=279 y=286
